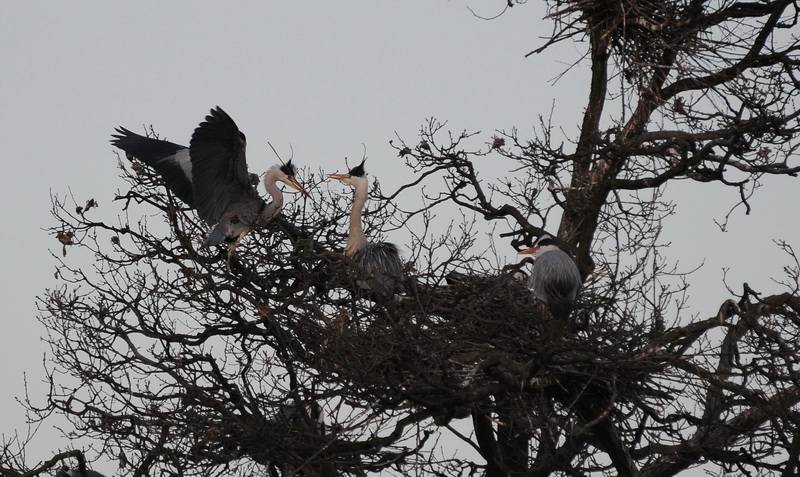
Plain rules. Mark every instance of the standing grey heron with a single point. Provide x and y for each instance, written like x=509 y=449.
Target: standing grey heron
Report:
x=555 y=278
x=211 y=176
x=379 y=262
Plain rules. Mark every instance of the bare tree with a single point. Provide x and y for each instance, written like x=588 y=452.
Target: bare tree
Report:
x=283 y=365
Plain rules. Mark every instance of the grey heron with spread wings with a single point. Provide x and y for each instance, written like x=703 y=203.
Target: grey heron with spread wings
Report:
x=211 y=176
x=379 y=262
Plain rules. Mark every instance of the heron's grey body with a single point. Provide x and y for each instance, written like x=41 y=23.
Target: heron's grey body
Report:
x=223 y=193
x=296 y=417
x=211 y=175
x=379 y=262
x=555 y=278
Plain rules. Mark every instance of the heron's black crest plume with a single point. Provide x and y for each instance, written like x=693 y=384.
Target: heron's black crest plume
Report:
x=545 y=240
x=358 y=171
x=288 y=168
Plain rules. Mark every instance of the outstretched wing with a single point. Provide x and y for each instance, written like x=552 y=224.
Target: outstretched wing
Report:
x=170 y=160
x=221 y=182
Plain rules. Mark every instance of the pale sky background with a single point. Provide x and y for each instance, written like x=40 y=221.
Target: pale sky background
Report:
x=322 y=76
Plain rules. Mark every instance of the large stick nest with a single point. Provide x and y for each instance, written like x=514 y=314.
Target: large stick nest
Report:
x=445 y=348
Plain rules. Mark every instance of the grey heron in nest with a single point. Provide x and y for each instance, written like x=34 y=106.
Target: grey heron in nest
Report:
x=554 y=280
x=380 y=265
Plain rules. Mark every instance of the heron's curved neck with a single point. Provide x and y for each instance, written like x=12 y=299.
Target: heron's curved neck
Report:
x=356 y=239
x=271 y=184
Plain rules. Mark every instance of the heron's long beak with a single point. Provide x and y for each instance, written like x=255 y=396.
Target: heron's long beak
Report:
x=338 y=177
x=529 y=251
x=296 y=186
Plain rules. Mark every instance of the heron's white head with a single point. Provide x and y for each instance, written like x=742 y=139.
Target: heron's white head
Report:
x=284 y=173
x=543 y=244
x=355 y=177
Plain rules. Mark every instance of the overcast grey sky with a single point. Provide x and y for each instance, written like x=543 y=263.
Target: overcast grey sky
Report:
x=322 y=76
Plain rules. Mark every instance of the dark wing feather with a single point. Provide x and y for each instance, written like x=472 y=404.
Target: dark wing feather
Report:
x=221 y=181
x=381 y=265
x=170 y=160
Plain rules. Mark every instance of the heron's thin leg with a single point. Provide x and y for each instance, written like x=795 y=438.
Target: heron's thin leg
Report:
x=232 y=249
